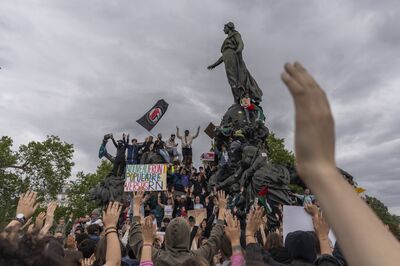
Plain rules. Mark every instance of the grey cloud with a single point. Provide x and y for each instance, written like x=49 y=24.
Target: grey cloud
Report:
x=80 y=69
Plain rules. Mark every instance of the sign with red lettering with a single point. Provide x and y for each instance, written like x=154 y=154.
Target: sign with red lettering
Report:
x=152 y=177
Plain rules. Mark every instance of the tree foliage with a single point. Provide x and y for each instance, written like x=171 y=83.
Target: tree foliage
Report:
x=78 y=193
x=277 y=153
x=383 y=213
x=40 y=166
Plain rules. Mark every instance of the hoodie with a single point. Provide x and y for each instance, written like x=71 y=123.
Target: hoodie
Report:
x=177 y=243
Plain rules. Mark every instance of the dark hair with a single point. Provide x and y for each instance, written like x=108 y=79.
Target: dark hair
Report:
x=94 y=229
x=166 y=220
x=29 y=250
x=134 y=140
x=274 y=240
x=79 y=238
x=87 y=247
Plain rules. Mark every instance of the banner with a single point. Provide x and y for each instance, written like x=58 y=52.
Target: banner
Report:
x=152 y=177
x=199 y=215
x=295 y=218
x=151 y=118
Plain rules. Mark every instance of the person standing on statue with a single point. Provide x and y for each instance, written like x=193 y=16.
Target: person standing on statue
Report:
x=120 y=160
x=242 y=83
x=186 y=143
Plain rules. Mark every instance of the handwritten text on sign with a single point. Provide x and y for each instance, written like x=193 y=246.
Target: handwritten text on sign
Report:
x=152 y=177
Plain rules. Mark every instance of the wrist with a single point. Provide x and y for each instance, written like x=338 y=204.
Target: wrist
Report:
x=323 y=237
x=147 y=243
x=235 y=242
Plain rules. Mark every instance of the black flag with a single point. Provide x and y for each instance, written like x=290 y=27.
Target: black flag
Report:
x=151 y=118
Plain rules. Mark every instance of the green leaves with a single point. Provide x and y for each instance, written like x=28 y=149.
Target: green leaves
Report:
x=277 y=153
x=40 y=166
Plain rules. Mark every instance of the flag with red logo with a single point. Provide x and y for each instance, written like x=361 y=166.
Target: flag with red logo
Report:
x=151 y=118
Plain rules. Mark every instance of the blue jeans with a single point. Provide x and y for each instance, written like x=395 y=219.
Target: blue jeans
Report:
x=165 y=155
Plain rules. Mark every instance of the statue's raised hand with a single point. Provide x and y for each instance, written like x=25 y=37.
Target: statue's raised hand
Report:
x=210 y=67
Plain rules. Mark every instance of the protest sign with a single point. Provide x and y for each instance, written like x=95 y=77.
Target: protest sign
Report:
x=295 y=218
x=199 y=215
x=152 y=177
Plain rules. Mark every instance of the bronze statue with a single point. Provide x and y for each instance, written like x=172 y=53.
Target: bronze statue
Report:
x=242 y=83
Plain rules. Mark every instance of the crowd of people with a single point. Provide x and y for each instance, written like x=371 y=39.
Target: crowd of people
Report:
x=156 y=228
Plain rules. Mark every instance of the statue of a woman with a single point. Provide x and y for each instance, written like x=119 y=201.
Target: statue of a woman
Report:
x=242 y=83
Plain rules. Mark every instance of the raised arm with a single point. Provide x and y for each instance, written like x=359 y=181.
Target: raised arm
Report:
x=213 y=243
x=110 y=219
x=115 y=143
x=159 y=200
x=217 y=63
x=197 y=133
x=352 y=220
x=177 y=133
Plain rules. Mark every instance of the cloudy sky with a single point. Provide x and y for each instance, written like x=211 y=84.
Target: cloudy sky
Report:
x=80 y=69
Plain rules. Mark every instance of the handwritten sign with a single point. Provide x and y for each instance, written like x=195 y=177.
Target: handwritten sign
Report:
x=152 y=177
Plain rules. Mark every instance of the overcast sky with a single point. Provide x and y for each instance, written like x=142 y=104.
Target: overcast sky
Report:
x=81 y=69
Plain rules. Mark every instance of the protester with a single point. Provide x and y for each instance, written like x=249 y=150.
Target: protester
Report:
x=159 y=147
x=186 y=143
x=133 y=152
x=171 y=147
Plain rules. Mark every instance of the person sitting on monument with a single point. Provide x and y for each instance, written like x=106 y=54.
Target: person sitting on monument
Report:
x=120 y=160
x=145 y=148
x=159 y=146
x=186 y=143
x=171 y=147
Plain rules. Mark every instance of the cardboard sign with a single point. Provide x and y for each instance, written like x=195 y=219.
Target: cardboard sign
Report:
x=199 y=215
x=295 y=218
x=152 y=177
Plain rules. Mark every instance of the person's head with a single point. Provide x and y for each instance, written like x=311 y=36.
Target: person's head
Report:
x=79 y=238
x=301 y=246
x=187 y=132
x=203 y=224
x=94 y=229
x=134 y=141
x=87 y=218
x=95 y=215
x=169 y=201
x=197 y=200
x=191 y=221
x=307 y=191
x=177 y=235
x=228 y=27
x=128 y=221
x=159 y=136
x=120 y=143
x=274 y=240
x=166 y=221
x=201 y=169
x=87 y=247
x=150 y=138
x=172 y=137
x=59 y=235
x=61 y=221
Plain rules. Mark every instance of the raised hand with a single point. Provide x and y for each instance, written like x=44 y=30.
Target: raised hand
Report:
x=232 y=229
x=148 y=230
x=111 y=215
x=314 y=133
x=311 y=209
x=39 y=221
x=27 y=204
x=321 y=227
x=254 y=221
x=51 y=207
x=137 y=200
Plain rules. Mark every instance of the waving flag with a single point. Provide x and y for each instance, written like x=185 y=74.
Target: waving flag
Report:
x=151 y=118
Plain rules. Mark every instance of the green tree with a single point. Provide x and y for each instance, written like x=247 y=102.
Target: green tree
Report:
x=277 y=153
x=40 y=166
x=79 y=191
x=383 y=213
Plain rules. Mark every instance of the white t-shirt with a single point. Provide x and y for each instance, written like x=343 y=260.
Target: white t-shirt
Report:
x=198 y=206
x=168 y=209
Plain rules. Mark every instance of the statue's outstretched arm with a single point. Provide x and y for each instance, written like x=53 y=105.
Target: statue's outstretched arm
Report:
x=219 y=61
